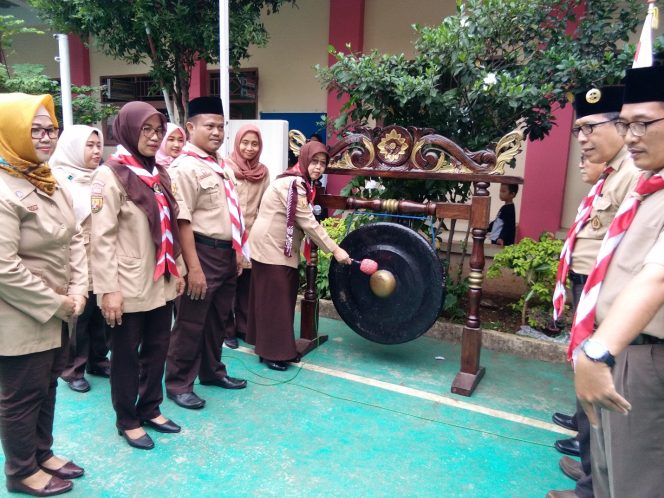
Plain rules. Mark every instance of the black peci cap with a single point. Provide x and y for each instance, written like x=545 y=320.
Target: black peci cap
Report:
x=644 y=84
x=205 y=105
x=599 y=100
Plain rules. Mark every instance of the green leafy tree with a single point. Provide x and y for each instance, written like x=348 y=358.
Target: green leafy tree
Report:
x=10 y=27
x=170 y=34
x=30 y=78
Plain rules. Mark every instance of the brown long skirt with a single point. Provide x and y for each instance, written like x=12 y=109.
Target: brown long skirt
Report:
x=272 y=299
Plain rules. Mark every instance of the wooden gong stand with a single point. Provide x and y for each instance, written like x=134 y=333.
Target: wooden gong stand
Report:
x=418 y=153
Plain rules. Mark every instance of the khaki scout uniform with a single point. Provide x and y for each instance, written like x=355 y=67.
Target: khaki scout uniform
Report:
x=621 y=181
x=42 y=258
x=196 y=341
x=268 y=235
x=122 y=253
x=123 y=259
x=638 y=373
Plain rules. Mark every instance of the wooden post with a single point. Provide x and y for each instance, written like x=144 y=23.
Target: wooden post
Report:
x=471 y=372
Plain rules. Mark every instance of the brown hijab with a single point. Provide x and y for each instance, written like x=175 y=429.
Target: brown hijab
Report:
x=253 y=170
x=127 y=131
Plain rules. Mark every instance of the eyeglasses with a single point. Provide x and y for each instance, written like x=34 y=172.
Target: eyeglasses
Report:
x=587 y=129
x=638 y=128
x=38 y=133
x=149 y=131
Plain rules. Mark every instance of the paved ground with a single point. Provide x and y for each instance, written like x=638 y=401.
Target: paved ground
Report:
x=354 y=419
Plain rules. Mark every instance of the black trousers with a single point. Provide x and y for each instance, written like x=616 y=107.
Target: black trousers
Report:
x=91 y=345
x=139 y=348
x=28 y=385
x=198 y=333
x=236 y=325
x=584 y=486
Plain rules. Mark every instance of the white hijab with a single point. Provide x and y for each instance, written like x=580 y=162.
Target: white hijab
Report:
x=68 y=166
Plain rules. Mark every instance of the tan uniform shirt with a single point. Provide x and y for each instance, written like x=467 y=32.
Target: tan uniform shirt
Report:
x=268 y=235
x=42 y=258
x=250 y=194
x=200 y=193
x=642 y=244
x=122 y=254
x=617 y=185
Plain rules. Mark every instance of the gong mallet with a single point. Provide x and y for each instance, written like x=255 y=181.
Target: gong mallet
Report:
x=366 y=266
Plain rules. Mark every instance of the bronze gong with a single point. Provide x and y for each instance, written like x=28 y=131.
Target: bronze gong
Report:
x=400 y=301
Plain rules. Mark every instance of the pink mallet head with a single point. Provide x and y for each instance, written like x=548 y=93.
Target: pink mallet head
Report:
x=368 y=266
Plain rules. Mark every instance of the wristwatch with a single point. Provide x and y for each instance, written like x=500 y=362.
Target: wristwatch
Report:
x=597 y=351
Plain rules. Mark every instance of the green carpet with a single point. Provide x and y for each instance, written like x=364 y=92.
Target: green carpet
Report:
x=307 y=433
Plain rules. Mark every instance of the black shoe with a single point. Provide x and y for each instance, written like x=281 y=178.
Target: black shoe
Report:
x=231 y=342
x=280 y=366
x=100 y=371
x=168 y=427
x=187 y=400
x=78 y=385
x=142 y=443
x=566 y=421
x=226 y=382
x=568 y=446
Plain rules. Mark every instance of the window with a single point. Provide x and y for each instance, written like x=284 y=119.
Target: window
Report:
x=243 y=92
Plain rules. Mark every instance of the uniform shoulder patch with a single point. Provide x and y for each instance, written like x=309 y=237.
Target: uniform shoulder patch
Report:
x=96 y=203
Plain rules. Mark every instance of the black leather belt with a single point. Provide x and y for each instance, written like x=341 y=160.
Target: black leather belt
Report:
x=577 y=278
x=208 y=241
x=642 y=339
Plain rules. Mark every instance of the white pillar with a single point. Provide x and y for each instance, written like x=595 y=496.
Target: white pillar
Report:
x=65 y=78
x=224 y=84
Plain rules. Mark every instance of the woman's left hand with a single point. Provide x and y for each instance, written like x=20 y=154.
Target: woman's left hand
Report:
x=180 y=285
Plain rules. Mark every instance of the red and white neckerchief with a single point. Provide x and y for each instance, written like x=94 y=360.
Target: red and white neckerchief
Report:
x=582 y=216
x=584 y=319
x=164 y=256
x=238 y=228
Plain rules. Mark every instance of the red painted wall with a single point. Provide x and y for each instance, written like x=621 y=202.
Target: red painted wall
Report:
x=346 y=26
x=79 y=61
x=199 y=84
x=544 y=179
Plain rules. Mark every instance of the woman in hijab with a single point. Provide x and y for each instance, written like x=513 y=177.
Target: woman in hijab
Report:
x=76 y=156
x=253 y=179
x=285 y=216
x=43 y=283
x=171 y=145
x=134 y=248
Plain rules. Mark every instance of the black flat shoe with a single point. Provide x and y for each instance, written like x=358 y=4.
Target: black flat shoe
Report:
x=68 y=471
x=187 y=400
x=280 y=366
x=55 y=486
x=226 y=382
x=231 y=342
x=168 y=427
x=566 y=421
x=568 y=446
x=78 y=385
x=142 y=443
x=100 y=371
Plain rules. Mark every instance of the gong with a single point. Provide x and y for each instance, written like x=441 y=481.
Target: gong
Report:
x=400 y=301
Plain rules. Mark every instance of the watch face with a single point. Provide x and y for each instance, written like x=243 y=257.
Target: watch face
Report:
x=594 y=350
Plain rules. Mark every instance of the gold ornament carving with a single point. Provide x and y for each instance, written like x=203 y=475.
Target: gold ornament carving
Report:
x=392 y=146
x=345 y=161
x=507 y=148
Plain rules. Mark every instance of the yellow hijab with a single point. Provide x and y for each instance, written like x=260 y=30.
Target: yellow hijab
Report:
x=17 y=110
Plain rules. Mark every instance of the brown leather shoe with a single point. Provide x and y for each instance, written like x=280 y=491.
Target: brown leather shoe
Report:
x=568 y=493
x=571 y=468
x=68 y=471
x=55 y=486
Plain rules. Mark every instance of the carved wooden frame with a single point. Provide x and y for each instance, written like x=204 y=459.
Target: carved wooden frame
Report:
x=398 y=152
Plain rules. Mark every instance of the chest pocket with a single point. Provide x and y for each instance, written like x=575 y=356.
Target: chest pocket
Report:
x=210 y=186
x=602 y=215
